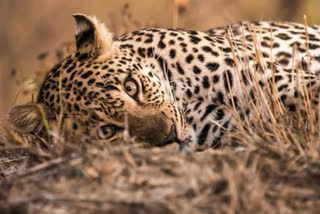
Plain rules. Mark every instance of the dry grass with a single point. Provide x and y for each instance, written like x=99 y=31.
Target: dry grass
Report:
x=271 y=122
x=277 y=172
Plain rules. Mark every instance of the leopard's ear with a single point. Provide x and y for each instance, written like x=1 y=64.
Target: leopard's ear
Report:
x=29 y=118
x=92 y=37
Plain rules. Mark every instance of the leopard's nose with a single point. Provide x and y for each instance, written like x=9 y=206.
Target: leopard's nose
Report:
x=171 y=137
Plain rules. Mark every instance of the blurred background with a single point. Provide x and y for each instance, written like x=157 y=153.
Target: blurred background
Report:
x=35 y=33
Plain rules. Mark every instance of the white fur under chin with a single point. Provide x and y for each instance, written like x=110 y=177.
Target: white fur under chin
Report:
x=190 y=145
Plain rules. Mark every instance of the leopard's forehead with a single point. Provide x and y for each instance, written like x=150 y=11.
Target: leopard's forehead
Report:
x=84 y=83
x=80 y=68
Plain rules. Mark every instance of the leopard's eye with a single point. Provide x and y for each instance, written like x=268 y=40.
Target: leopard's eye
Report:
x=108 y=131
x=131 y=87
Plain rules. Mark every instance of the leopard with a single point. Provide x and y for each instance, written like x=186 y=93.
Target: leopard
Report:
x=165 y=85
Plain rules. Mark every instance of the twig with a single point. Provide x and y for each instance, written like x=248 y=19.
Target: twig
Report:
x=43 y=166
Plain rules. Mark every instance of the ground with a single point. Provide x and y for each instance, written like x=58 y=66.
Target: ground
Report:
x=130 y=178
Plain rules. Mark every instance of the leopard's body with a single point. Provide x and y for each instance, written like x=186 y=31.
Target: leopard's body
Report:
x=165 y=85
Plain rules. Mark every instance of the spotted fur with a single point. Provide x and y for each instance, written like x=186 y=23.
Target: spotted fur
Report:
x=166 y=85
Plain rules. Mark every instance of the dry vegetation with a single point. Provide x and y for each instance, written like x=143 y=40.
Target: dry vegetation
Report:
x=277 y=172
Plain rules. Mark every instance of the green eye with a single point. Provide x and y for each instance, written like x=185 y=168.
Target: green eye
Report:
x=131 y=87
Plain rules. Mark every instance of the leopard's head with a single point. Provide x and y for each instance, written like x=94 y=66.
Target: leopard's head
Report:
x=103 y=91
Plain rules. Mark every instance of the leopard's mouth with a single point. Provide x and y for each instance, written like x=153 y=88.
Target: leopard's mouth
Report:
x=155 y=129
x=171 y=137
